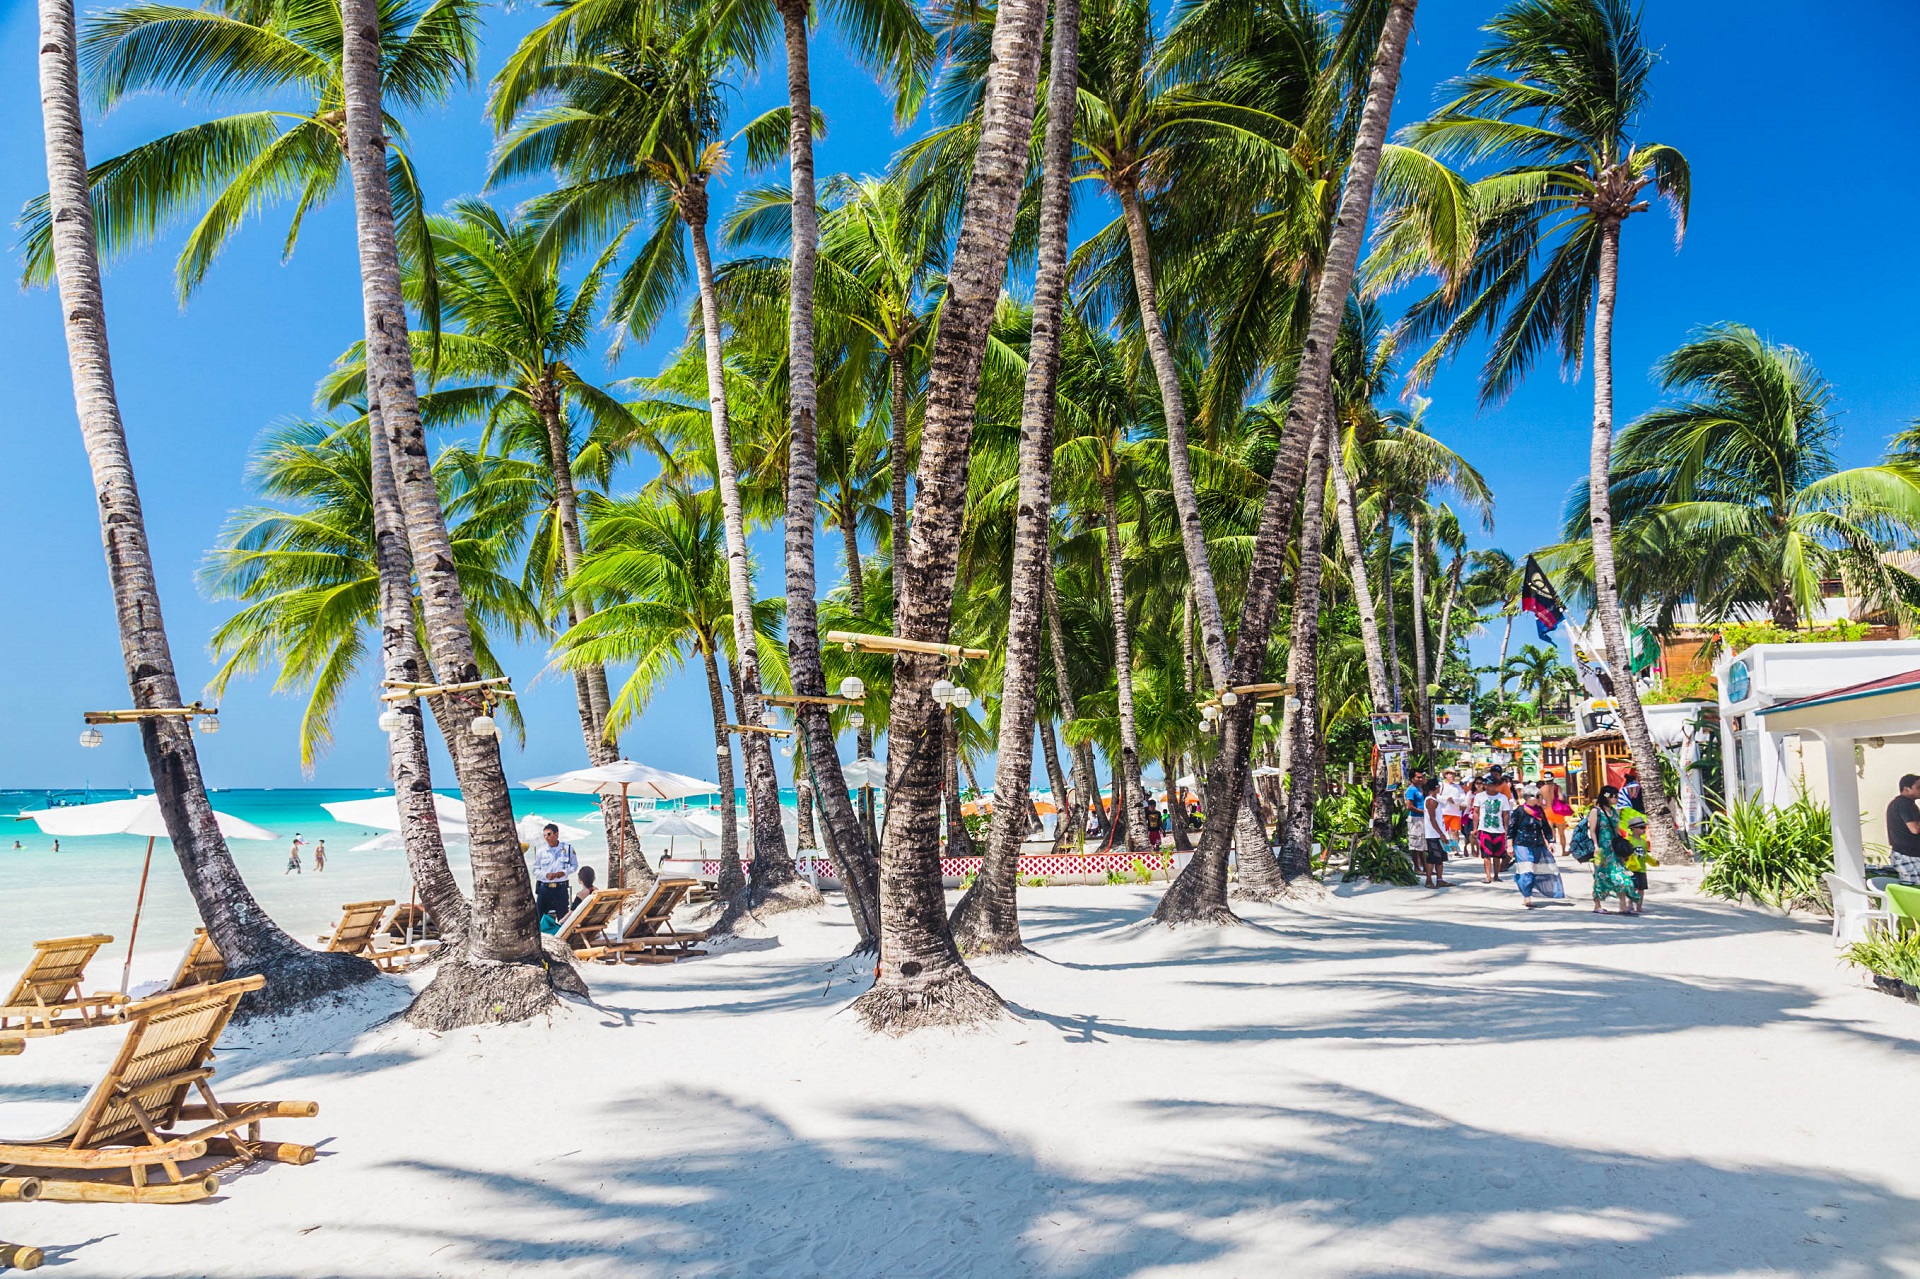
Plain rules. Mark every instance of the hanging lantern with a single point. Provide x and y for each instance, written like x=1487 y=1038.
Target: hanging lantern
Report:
x=853 y=688
x=90 y=737
x=391 y=721
x=721 y=749
x=962 y=697
x=943 y=691
x=786 y=751
x=1266 y=720
x=857 y=720
x=1206 y=725
x=483 y=727
x=1229 y=698
x=1208 y=714
x=209 y=724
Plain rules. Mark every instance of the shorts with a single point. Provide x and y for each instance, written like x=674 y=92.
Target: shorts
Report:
x=1437 y=853
x=1452 y=821
x=1492 y=845
x=1639 y=879
x=1416 y=841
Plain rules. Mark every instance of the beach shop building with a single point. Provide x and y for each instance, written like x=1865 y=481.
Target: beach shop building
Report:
x=1772 y=756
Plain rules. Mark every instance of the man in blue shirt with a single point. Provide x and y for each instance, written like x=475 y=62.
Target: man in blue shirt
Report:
x=553 y=864
x=1417 y=816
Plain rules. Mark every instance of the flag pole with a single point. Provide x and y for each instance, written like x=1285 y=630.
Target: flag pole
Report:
x=140 y=903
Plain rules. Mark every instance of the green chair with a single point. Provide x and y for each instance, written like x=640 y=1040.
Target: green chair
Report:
x=1903 y=903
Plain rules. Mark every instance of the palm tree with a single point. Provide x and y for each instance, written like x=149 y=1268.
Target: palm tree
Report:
x=987 y=918
x=292 y=148
x=923 y=980
x=628 y=116
x=1730 y=498
x=311 y=586
x=1200 y=892
x=515 y=358
x=659 y=560
x=1537 y=670
x=1554 y=99
x=503 y=974
x=251 y=942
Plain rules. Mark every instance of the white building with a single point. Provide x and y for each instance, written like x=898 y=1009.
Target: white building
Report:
x=1775 y=761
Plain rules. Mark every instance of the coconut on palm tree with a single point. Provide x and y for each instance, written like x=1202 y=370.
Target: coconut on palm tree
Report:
x=1552 y=106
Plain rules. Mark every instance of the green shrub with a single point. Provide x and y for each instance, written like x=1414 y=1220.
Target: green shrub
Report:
x=1381 y=862
x=1034 y=881
x=1116 y=877
x=966 y=880
x=1774 y=856
x=1142 y=873
x=1889 y=956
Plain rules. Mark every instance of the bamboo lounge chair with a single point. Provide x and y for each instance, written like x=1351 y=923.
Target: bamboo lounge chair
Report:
x=201 y=965
x=584 y=930
x=20 y=1256
x=649 y=936
x=359 y=924
x=47 y=999
x=411 y=923
x=130 y=1123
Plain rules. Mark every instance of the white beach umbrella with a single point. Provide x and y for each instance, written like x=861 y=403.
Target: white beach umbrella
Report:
x=1187 y=782
x=619 y=778
x=382 y=812
x=394 y=842
x=533 y=824
x=1266 y=770
x=138 y=816
x=683 y=825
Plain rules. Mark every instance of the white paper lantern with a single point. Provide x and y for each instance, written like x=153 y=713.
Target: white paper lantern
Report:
x=853 y=687
x=90 y=737
x=391 y=721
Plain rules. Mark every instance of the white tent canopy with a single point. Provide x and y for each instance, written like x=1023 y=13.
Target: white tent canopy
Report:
x=140 y=816
x=864 y=772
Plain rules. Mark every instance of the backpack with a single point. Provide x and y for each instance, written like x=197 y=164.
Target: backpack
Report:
x=1581 y=845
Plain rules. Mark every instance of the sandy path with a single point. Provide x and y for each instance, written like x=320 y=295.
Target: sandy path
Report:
x=1384 y=1082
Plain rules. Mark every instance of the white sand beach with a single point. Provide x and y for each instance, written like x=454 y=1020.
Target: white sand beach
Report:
x=1379 y=1082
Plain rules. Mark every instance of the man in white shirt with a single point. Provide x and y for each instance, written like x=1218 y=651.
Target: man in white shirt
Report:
x=553 y=864
x=1494 y=811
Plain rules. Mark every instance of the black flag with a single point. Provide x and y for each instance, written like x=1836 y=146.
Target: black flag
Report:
x=1538 y=597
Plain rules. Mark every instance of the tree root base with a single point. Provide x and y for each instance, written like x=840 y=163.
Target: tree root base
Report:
x=1187 y=916
x=299 y=978
x=466 y=992
x=957 y=999
x=752 y=906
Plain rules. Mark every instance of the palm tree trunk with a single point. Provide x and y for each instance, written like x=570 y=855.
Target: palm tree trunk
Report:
x=732 y=877
x=1063 y=805
x=987 y=920
x=1662 y=836
x=403 y=661
x=232 y=916
x=1086 y=780
x=1446 y=615
x=1186 y=502
x=1422 y=677
x=804 y=840
x=900 y=514
x=772 y=868
x=1386 y=587
x=505 y=975
x=923 y=980
x=1303 y=773
x=1131 y=797
x=1357 y=570
x=1200 y=892
x=959 y=843
x=590 y=682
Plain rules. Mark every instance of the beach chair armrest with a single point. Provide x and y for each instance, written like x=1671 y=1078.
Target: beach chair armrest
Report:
x=61 y=1155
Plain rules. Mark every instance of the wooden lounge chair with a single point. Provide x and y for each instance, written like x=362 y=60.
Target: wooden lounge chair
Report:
x=360 y=923
x=11 y=1046
x=131 y=1123
x=648 y=935
x=47 y=999
x=411 y=923
x=584 y=930
x=201 y=965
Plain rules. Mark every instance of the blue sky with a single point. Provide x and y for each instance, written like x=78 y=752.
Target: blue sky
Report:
x=1795 y=125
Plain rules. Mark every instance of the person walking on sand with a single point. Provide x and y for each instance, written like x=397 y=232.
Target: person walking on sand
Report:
x=319 y=855
x=1531 y=835
x=1610 y=875
x=1154 y=823
x=1553 y=798
x=1453 y=802
x=553 y=865
x=293 y=856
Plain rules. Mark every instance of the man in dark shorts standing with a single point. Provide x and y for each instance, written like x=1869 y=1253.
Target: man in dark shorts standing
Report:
x=1903 y=829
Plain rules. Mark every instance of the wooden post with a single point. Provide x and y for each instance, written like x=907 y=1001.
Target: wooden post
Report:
x=139 y=905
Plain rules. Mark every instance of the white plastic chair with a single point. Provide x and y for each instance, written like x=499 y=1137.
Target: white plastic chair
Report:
x=1853 y=901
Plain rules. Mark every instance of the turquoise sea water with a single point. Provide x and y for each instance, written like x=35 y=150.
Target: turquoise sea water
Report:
x=91 y=884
